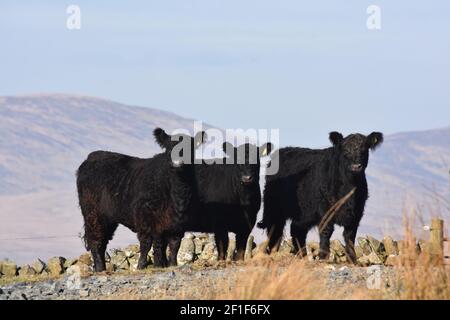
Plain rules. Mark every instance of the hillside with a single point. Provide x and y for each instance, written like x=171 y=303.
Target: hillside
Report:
x=44 y=138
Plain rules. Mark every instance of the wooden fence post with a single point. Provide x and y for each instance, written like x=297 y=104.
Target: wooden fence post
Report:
x=437 y=237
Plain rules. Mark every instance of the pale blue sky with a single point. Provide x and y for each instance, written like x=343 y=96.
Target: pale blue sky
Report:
x=306 y=67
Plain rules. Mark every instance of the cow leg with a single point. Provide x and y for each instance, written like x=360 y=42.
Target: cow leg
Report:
x=97 y=238
x=298 y=234
x=159 y=253
x=174 y=245
x=349 y=238
x=275 y=233
x=145 y=243
x=241 y=243
x=222 y=240
x=325 y=236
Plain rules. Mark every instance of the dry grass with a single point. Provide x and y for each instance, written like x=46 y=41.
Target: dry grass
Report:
x=415 y=276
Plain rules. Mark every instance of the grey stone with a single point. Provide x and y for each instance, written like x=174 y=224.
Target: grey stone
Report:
x=337 y=247
x=9 y=268
x=392 y=260
x=313 y=249
x=69 y=262
x=286 y=247
x=55 y=265
x=209 y=252
x=186 y=253
x=370 y=259
x=375 y=245
x=119 y=260
x=390 y=246
x=84 y=293
x=199 y=243
x=133 y=262
x=85 y=258
x=364 y=245
x=131 y=250
x=26 y=270
x=38 y=266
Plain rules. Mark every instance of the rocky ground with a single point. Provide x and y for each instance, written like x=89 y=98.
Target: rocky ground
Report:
x=200 y=276
x=185 y=282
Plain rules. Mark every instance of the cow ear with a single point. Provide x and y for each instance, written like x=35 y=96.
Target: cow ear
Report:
x=228 y=148
x=374 y=140
x=336 y=138
x=265 y=149
x=161 y=137
x=200 y=138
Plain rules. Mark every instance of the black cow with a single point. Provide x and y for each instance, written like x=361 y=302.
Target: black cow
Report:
x=229 y=195
x=149 y=196
x=307 y=185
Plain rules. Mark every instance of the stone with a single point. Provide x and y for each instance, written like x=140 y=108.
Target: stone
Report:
x=313 y=249
x=186 y=253
x=55 y=266
x=26 y=270
x=209 y=252
x=119 y=260
x=199 y=244
x=133 y=262
x=84 y=293
x=249 y=247
x=38 y=266
x=392 y=260
x=390 y=246
x=337 y=247
x=423 y=246
x=80 y=268
x=370 y=259
x=9 y=268
x=287 y=247
x=86 y=258
x=131 y=250
x=359 y=252
x=365 y=246
x=231 y=249
x=69 y=262
x=109 y=267
x=189 y=235
x=375 y=245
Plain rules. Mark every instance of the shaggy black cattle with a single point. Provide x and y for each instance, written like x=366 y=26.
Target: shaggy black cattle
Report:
x=151 y=197
x=229 y=196
x=309 y=182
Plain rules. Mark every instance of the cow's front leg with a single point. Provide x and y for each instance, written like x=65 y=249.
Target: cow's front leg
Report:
x=349 y=238
x=174 y=243
x=222 y=240
x=325 y=236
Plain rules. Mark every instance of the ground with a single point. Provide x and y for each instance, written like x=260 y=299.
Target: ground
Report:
x=266 y=278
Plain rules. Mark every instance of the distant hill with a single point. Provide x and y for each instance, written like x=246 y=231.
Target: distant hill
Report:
x=44 y=138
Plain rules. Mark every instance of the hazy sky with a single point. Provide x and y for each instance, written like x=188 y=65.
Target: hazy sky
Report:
x=306 y=67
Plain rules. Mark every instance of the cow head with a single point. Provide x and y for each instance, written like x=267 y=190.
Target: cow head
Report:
x=180 y=147
x=353 y=150
x=246 y=158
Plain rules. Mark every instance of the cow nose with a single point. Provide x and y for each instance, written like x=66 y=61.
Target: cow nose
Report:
x=247 y=179
x=356 y=167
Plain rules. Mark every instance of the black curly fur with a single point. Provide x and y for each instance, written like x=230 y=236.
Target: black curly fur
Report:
x=309 y=182
x=149 y=196
x=227 y=204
